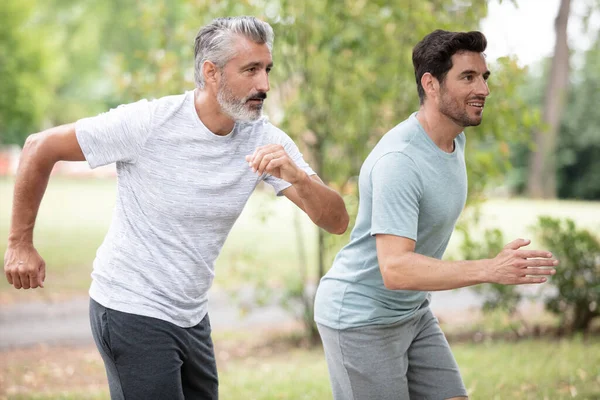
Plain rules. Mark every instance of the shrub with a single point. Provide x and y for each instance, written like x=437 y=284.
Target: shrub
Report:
x=577 y=278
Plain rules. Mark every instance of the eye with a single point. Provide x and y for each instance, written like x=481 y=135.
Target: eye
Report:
x=468 y=78
x=251 y=69
x=268 y=70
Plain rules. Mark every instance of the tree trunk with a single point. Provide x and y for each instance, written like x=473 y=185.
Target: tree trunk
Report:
x=542 y=165
x=583 y=317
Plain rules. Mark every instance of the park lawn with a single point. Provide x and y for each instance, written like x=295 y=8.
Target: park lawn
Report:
x=262 y=246
x=528 y=369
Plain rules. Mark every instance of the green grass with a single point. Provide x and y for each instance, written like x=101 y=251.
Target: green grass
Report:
x=67 y=395
x=262 y=246
x=295 y=374
x=497 y=370
x=530 y=369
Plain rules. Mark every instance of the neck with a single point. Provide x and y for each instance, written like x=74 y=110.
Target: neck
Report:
x=210 y=113
x=441 y=129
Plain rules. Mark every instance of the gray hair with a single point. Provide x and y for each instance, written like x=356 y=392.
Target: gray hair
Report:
x=215 y=41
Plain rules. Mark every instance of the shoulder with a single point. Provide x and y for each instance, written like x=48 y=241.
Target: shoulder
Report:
x=393 y=160
x=164 y=108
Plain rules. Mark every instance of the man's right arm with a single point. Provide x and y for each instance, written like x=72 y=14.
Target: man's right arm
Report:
x=23 y=266
x=403 y=269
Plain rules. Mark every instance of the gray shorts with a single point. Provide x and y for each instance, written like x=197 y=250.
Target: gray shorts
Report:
x=407 y=360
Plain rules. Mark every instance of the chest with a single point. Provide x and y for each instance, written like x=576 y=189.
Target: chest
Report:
x=444 y=193
x=191 y=179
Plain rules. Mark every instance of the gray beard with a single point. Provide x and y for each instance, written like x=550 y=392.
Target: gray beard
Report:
x=235 y=108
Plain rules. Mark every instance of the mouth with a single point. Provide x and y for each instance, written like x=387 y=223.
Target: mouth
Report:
x=476 y=104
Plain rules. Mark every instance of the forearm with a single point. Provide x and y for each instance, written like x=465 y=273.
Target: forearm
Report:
x=323 y=205
x=412 y=271
x=30 y=184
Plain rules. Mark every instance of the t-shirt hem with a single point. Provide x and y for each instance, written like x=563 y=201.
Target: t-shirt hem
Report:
x=395 y=232
x=84 y=144
x=341 y=327
x=143 y=310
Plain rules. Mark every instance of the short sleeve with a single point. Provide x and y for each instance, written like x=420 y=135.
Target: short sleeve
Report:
x=280 y=137
x=117 y=135
x=396 y=194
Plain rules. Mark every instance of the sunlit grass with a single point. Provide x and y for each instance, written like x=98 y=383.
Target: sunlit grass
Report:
x=529 y=369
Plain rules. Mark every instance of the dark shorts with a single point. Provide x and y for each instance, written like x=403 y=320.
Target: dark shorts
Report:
x=148 y=358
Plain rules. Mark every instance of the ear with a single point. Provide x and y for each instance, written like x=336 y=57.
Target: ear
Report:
x=210 y=72
x=430 y=84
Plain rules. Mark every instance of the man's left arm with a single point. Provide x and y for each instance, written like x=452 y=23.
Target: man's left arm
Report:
x=323 y=205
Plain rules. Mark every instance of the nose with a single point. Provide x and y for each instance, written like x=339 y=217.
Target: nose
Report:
x=483 y=88
x=262 y=82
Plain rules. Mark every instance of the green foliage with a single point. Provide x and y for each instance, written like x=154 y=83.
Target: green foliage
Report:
x=29 y=59
x=577 y=278
x=576 y=286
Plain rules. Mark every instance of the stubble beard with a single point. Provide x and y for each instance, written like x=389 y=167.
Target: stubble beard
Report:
x=450 y=107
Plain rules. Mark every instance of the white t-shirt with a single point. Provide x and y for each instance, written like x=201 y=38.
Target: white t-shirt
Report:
x=180 y=188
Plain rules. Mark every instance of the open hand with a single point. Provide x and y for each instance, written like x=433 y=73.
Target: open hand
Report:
x=513 y=266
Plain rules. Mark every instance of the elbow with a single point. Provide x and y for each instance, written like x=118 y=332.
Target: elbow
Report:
x=390 y=280
x=393 y=280
x=32 y=143
x=342 y=224
x=34 y=151
x=336 y=227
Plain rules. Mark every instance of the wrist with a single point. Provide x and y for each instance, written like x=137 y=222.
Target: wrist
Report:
x=485 y=271
x=303 y=181
x=18 y=240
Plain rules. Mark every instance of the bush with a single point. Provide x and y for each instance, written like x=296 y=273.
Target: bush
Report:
x=577 y=278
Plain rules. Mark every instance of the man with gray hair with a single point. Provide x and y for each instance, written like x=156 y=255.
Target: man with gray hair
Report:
x=186 y=166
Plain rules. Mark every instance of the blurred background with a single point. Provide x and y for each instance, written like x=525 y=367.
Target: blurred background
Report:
x=343 y=77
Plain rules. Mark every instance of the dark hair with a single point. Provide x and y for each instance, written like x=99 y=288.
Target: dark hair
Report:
x=434 y=53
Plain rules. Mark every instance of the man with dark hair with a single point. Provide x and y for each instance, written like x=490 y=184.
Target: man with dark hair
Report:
x=187 y=165
x=380 y=337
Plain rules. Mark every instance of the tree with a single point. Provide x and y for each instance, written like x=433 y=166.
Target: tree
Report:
x=578 y=153
x=542 y=168
x=29 y=65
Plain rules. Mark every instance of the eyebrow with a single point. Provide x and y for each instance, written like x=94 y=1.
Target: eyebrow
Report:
x=486 y=74
x=255 y=64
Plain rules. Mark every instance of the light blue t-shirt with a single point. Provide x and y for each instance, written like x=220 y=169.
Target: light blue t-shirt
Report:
x=408 y=187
